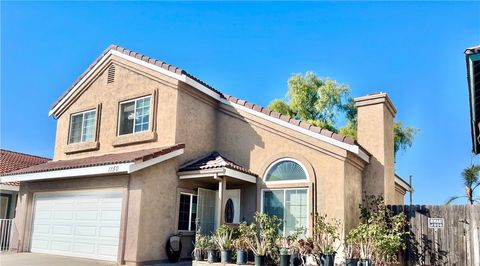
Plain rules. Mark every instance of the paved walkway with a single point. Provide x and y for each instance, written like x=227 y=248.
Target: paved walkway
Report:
x=36 y=259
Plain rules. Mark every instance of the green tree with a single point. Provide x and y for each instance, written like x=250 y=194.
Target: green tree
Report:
x=471 y=181
x=325 y=102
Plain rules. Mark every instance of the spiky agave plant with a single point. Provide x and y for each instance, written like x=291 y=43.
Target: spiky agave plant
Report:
x=470 y=178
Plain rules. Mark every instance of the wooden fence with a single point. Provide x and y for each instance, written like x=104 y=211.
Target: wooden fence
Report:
x=456 y=243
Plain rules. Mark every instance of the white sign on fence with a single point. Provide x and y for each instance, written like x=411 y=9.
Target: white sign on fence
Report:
x=436 y=223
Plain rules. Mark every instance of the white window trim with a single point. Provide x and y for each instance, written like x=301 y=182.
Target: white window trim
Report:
x=134 y=114
x=299 y=181
x=189 y=212
x=81 y=127
x=284 y=195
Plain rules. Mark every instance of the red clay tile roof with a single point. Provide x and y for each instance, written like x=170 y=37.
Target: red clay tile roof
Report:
x=11 y=161
x=115 y=158
x=232 y=99
x=214 y=161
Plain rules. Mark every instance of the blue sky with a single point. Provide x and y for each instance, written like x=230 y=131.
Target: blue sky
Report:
x=413 y=51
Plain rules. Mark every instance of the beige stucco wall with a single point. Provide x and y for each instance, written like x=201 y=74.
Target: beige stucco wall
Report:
x=256 y=143
x=152 y=213
x=196 y=122
x=376 y=134
x=399 y=197
x=131 y=81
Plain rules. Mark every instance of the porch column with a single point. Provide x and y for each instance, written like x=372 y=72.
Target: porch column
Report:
x=222 y=185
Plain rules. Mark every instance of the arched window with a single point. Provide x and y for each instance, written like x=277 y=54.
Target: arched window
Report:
x=290 y=204
x=286 y=170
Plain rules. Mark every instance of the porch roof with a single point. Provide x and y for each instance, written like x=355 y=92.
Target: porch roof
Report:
x=115 y=163
x=215 y=163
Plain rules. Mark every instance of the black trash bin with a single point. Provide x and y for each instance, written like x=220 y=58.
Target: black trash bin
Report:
x=174 y=248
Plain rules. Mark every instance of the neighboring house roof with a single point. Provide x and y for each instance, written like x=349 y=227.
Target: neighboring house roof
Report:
x=214 y=161
x=472 y=57
x=11 y=161
x=190 y=79
x=107 y=159
x=402 y=183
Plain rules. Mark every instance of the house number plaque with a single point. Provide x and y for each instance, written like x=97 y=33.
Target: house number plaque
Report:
x=436 y=223
x=113 y=169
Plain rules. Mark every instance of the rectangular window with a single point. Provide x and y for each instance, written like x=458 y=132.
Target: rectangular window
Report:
x=290 y=205
x=134 y=116
x=187 y=213
x=82 y=127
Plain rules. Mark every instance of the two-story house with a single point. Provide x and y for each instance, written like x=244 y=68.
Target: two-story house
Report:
x=145 y=150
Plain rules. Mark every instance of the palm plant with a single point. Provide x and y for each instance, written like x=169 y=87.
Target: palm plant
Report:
x=471 y=181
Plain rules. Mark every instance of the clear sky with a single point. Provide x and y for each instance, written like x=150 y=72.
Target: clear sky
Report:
x=412 y=51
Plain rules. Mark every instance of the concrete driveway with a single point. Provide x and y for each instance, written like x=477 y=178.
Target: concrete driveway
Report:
x=36 y=259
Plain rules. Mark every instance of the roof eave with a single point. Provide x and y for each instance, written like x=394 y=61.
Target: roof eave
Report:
x=107 y=169
x=195 y=83
x=474 y=132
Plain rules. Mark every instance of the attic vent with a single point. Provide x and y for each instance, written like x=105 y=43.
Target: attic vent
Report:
x=111 y=74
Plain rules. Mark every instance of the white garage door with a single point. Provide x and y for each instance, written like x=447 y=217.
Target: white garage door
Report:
x=78 y=223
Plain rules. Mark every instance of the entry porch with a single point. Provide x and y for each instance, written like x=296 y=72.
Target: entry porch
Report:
x=215 y=191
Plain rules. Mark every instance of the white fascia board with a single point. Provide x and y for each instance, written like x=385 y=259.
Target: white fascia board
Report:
x=239 y=175
x=220 y=172
x=159 y=159
x=9 y=188
x=352 y=148
x=193 y=176
x=403 y=184
x=184 y=78
x=200 y=173
x=76 y=172
x=103 y=59
x=197 y=85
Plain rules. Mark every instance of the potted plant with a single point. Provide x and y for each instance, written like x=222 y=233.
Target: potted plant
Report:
x=286 y=246
x=380 y=235
x=240 y=243
x=211 y=249
x=302 y=248
x=326 y=236
x=223 y=240
x=199 y=246
x=350 y=249
x=258 y=246
x=265 y=234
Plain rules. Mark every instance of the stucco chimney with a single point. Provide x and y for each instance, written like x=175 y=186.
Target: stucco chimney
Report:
x=375 y=134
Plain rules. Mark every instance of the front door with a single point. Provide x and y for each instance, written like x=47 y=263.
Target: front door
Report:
x=232 y=206
x=208 y=208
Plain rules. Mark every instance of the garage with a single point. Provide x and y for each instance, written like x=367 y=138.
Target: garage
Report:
x=84 y=223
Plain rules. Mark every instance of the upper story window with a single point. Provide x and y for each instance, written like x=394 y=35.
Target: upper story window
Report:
x=134 y=116
x=82 y=127
x=286 y=170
